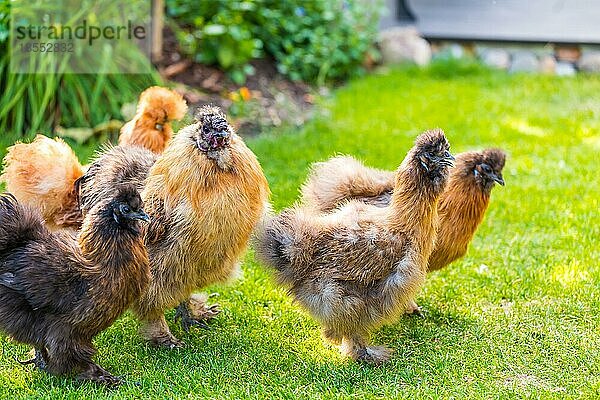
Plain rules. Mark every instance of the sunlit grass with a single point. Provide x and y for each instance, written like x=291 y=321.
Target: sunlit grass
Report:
x=516 y=317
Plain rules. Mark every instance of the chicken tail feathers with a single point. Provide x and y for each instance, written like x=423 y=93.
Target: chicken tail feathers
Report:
x=41 y=174
x=271 y=243
x=18 y=225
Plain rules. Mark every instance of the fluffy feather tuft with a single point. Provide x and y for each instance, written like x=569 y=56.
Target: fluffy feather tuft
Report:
x=42 y=174
x=150 y=127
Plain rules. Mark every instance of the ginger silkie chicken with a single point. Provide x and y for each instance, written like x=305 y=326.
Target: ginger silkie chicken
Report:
x=359 y=266
x=42 y=173
x=58 y=292
x=150 y=128
x=205 y=194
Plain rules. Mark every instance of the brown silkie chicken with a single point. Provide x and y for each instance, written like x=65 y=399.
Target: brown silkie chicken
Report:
x=150 y=127
x=461 y=208
x=358 y=267
x=205 y=194
x=35 y=177
x=58 y=292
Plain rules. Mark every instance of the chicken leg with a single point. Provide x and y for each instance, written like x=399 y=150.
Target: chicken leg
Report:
x=358 y=348
x=196 y=312
x=97 y=374
x=157 y=332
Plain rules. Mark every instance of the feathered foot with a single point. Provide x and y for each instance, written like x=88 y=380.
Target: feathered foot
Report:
x=413 y=309
x=158 y=334
x=38 y=360
x=195 y=312
x=97 y=374
x=357 y=348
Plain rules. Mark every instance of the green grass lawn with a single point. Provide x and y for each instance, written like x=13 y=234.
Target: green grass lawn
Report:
x=517 y=317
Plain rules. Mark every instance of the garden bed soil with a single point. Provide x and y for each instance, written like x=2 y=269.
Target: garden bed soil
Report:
x=266 y=99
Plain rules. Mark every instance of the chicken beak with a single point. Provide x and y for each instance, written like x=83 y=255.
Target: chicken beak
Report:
x=448 y=159
x=498 y=178
x=142 y=216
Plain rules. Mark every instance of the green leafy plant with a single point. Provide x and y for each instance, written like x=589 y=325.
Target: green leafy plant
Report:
x=218 y=32
x=314 y=41
x=319 y=40
x=33 y=103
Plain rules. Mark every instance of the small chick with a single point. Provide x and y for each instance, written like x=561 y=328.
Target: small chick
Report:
x=358 y=267
x=151 y=125
x=57 y=292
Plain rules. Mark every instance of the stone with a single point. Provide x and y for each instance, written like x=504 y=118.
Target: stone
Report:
x=547 y=65
x=524 y=61
x=567 y=53
x=495 y=58
x=590 y=62
x=564 y=68
x=402 y=44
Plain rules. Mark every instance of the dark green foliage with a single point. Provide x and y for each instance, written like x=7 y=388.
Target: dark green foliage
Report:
x=319 y=40
x=314 y=41
x=218 y=32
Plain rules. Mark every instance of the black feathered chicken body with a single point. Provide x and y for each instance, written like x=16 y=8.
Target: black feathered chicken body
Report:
x=57 y=293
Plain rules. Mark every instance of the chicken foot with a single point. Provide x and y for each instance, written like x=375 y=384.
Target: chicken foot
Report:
x=412 y=308
x=358 y=349
x=96 y=374
x=196 y=312
x=157 y=332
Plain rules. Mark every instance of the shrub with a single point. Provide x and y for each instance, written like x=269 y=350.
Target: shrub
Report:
x=218 y=32
x=314 y=41
x=319 y=40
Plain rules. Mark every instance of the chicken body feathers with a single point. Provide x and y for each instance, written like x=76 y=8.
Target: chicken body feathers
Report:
x=41 y=174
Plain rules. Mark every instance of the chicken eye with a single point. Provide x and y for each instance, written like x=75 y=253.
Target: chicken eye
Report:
x=125 y=209
x=486 y=168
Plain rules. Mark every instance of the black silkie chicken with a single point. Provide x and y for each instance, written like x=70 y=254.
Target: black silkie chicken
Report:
x=57 y=292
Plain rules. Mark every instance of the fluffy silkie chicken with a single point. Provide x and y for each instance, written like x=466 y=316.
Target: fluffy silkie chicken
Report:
x=205 y=194
x=358 y=267
x=151 y=126
x=57 y=292
x=36 y=178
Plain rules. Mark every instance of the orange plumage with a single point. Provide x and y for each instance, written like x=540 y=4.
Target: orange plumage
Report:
x=150 y=127
x=42 y=174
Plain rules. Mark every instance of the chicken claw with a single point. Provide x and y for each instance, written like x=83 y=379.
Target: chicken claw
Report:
x=158 y=334
x=358 y=350
x=413 y=309
x=198 y=317
x=99 y=375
